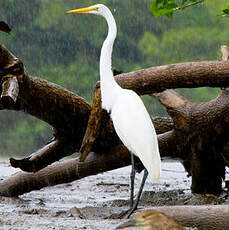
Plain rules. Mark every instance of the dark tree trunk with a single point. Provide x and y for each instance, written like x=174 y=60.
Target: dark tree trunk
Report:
x=200 y=134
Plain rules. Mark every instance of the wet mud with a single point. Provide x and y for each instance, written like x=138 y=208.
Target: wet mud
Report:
x=94 y=202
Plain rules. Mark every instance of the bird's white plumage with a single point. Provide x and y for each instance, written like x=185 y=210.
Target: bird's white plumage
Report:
x=133 y=125
x=131 y=120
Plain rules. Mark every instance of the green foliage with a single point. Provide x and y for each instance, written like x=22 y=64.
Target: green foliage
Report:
x=168 y=7
x=225 y=12
x=163 y=7
x=20 y=134
x=174 y=45
x=65 y=49
x=78 y=76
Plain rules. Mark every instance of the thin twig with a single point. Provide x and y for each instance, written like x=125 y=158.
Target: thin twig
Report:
x=188 y=5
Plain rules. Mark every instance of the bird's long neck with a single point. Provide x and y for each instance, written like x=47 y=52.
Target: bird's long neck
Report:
x=109 y=86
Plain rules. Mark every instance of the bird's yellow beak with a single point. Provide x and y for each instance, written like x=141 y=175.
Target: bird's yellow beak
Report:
x=82 y=10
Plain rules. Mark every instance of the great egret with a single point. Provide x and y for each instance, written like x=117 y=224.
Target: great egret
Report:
x=130 y=118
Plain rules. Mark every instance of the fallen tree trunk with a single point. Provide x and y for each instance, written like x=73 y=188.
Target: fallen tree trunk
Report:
x=64 y=172
x=197 y=135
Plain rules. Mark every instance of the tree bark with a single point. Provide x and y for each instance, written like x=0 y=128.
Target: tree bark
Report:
x=182 y=75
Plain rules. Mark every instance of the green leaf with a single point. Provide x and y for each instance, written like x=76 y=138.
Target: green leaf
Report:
x=160 y=8
x=224 y=13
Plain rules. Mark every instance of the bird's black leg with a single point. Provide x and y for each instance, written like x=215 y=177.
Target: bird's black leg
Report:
x=132 y=177
x=135 y=204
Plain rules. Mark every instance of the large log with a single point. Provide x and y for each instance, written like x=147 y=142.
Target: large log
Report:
x=181 y=75
x=71 y=170
x=64 y=172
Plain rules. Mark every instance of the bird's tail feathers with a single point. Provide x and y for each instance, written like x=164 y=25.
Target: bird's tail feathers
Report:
x=153 y=166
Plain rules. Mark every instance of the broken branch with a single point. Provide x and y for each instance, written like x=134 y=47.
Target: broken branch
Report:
x=10 y=90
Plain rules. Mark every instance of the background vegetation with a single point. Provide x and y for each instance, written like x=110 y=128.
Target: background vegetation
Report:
x=65 y=49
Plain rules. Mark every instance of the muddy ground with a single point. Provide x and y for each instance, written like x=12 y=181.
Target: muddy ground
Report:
x=92 y=202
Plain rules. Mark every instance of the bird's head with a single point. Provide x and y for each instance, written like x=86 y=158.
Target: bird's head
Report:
x=151 y=219
x=138 y=220
x=97 y=9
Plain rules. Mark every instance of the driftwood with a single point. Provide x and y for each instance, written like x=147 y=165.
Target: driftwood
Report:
x=197 y=133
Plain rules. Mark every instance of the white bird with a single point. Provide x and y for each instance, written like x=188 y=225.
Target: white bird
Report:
x=130 y=118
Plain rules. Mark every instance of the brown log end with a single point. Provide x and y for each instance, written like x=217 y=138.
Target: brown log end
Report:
x=24 y=164
x=10 y=90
